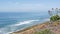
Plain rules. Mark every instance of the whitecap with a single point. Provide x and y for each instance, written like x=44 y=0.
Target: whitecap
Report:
x=25 y=22
x=12 y=28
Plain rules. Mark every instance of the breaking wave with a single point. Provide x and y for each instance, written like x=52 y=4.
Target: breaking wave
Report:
x=12 y=28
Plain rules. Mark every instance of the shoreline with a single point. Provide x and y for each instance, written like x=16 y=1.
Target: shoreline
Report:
x=28 y=28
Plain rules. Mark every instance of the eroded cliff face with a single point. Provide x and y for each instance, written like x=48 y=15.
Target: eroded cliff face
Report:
x=54 y=27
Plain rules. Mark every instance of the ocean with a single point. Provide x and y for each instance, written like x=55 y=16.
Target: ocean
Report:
x=14 y=21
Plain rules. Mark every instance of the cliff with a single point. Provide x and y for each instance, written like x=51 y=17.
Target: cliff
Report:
x=54 y=27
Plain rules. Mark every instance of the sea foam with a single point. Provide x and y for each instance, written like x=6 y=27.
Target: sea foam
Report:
x=25 y=22
x=12 y=28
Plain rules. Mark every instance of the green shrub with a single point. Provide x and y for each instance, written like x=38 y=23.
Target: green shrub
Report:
x=44 y=32
x=55 y=18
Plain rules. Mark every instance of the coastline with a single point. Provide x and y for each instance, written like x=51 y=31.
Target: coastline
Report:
x=34 y=27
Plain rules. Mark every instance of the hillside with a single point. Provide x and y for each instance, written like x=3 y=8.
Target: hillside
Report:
x=53 y=27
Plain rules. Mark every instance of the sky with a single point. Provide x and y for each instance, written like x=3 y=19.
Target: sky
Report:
x=28 y=5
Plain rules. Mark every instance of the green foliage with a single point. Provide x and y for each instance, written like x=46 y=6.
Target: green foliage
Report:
x=44 y=32
x=55 y=18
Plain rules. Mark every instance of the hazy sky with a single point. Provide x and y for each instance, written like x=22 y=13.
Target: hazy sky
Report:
x=28 y=5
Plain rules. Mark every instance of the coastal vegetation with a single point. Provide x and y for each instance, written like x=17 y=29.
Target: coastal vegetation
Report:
x=46 y=31
x=55 y=18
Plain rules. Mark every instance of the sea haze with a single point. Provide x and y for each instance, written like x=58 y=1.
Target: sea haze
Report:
x=14 y=21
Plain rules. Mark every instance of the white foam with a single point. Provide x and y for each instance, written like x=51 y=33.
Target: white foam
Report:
x=25 y=22
x=12 y=28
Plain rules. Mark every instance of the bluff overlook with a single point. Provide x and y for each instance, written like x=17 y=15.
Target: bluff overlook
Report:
x=49 y=27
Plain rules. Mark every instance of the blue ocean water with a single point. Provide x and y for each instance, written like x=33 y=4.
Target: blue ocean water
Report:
x=14 y=21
